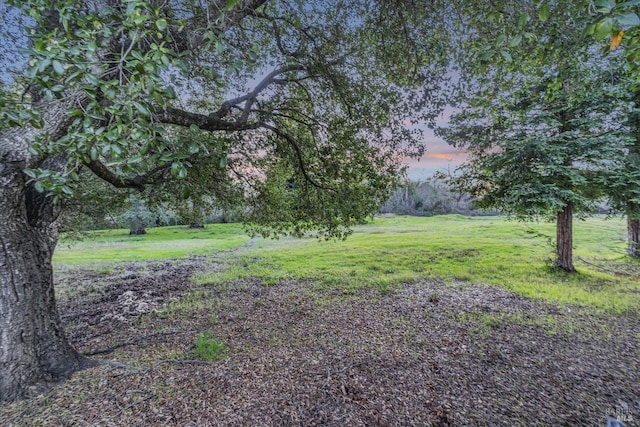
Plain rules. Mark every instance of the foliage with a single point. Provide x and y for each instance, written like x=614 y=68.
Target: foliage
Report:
x=151 y=89
x=534 y=151
x=622 y=180
x=619 y=24
x=542 y=126
x=431 y=197
x=95 y=205
x=138 y=217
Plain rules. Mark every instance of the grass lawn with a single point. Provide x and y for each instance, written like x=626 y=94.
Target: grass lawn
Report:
x=159 y=243
x=393 y=250
x=489 y=250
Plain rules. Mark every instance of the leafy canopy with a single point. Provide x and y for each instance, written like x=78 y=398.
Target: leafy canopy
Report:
x=539 y=111
x=295 y=110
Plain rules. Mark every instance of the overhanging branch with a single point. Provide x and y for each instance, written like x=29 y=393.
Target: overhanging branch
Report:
x=216 y=121
x=301 y=164
x=138 y=182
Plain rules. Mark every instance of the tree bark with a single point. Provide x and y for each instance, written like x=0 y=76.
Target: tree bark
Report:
x=33 y=348
x=564 y=239
x=633 y=236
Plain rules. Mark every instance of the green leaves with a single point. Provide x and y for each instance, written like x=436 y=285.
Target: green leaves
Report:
x=312 y=128
x=58 y=67
x=629 y=19
x=603 y=29
x=142 y=109
x=515 y=41
x=161 y=24
x=543 y=13
x=52 y=182
x=604 y=6
x=506 y=55
x=539 y=128
x=522 y=21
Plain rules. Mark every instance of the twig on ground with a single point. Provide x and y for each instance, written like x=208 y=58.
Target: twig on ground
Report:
x=132 y=342
x=604 y=270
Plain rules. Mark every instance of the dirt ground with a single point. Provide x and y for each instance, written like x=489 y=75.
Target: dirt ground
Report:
x=421 y=354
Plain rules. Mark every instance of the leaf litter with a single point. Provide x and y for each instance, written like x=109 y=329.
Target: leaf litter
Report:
x=423 y=353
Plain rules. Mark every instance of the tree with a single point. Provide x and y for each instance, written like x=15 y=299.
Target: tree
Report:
x=619 y=24
x=622 y=178
x=537 y=121
x=296 y=110
x=540 y=154
x=138 y=217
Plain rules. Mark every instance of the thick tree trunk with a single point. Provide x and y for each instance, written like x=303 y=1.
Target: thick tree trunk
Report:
x=33 y=348
x=564 y=239
x=633 y=236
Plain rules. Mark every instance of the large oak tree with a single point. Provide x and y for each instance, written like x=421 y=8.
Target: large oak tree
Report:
x=295 y=110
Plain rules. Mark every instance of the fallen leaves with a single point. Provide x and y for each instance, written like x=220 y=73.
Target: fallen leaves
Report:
x=302 y=356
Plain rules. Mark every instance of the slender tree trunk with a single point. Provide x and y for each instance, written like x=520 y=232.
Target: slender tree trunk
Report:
x=633 y=236
x=33 y=348
x=564 y=239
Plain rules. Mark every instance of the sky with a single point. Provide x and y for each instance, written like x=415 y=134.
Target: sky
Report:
x=439 y=156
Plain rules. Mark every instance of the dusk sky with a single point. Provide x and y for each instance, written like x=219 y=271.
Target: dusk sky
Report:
x=439 y=156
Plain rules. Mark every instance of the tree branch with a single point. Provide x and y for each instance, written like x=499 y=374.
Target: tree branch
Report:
x=251 y=96
x=138 y=182
x=299 y=156
x=215 y=121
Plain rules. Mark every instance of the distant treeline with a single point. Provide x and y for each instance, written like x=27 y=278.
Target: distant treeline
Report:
x=428 y=198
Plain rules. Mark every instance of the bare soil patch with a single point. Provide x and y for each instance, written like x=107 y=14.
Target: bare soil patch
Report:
x=425 y=353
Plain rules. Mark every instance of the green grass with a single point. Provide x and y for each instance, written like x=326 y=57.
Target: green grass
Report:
x=488 y=250
x=210 y=348
x=159 y=243
x=393 y=250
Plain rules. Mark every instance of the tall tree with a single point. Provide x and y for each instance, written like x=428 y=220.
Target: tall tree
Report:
x=619 y=24
x=622 y=180
x=536 y=116
x=539 y=152
x=298 y=110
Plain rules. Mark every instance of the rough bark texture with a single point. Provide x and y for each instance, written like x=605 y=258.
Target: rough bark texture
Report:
x=33 y=348
x=633 y=232
x=564 y=239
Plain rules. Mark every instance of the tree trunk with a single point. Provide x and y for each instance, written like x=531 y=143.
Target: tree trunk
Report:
x=633 y=232
x=33 y=348
x=137 y=229
x=564 y=239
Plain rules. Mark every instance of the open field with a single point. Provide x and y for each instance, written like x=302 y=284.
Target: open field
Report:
x=162 y=242
x=394 y=250
x=442 y=321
